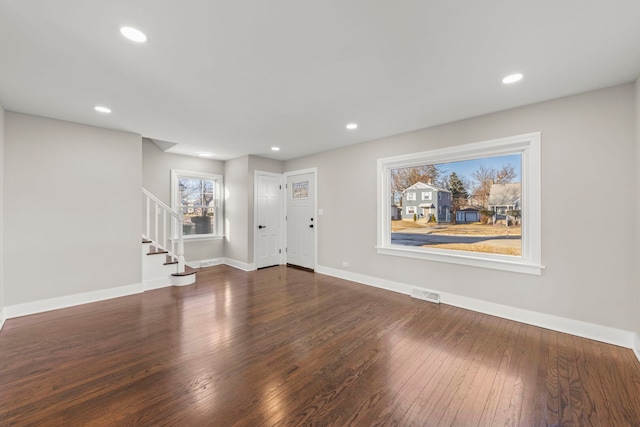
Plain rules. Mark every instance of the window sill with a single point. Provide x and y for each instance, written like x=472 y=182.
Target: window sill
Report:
x=495 y=262
x=196 y=238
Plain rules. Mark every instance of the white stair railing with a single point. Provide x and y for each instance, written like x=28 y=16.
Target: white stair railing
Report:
x=163 y=227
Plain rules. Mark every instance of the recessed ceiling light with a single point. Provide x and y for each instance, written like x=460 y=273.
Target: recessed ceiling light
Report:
x=102 y=109
x=205 y=154
x=352 y=126
x=133 y=34
x=512 y=78
x=275 y=148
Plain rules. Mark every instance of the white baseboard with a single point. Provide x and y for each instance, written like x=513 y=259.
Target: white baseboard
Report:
x=205 y=263
x=34 y=307
x=219 y=261
x=578 y=328
x=161 y=282
x=41 y=306
x=239 y=265
x=592 y=331
x=365 y=280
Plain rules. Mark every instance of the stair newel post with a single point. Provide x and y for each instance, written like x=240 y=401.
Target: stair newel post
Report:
x=180 y=251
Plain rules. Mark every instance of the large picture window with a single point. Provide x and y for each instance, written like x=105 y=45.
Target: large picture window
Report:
x=198 y=196
x=486 y=214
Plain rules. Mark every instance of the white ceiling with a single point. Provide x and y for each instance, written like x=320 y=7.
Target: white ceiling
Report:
x=237 y=77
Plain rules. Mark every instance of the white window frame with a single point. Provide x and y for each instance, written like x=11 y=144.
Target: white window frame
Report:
x=413 y=208
x=411 y=196
x=528 y=146
x=218 y=204
x=426 y=195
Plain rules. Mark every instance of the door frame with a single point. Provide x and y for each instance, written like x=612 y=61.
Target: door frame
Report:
x=286 y=176
x=283 y=223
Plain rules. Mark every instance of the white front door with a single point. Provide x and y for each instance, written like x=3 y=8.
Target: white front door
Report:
x=269 y=219
x=301 y=220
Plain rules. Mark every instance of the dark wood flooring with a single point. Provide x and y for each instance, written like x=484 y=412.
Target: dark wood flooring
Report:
x=287 y=347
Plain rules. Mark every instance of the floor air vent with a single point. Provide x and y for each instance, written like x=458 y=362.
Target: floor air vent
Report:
x=425 y=295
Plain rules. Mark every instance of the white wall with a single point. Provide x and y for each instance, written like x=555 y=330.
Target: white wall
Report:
x=2 y=313
x=236 y=210
x=590 y=254
x=637 y=198
x=239 y=209
x=156 y=177
x=72 y=198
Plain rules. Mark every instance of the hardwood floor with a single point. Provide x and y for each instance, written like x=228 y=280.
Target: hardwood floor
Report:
x=287 y=347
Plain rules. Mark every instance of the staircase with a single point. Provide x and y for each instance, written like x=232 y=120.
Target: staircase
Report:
x=163 y=246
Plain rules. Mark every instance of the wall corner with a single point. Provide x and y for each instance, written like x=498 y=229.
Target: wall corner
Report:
x=637 y=234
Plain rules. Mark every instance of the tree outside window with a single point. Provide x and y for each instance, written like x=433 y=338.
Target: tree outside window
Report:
x=197 y=195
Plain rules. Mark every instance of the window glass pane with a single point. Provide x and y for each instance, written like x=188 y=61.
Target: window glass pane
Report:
x=477 y=209
x=197 y=198
x=198 y=224
x=300 y=190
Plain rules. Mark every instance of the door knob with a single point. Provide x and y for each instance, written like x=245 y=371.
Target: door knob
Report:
x=262 y=226
x=311 y=226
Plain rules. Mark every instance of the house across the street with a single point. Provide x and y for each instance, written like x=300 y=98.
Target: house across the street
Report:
x=424 y=201
x=504 y=198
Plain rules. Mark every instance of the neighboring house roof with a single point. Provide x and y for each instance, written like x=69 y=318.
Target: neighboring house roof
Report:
x=505 y=194
x=469 y=210
x=422 y=185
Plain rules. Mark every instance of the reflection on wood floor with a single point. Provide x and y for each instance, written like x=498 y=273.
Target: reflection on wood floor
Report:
x=288 y=347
